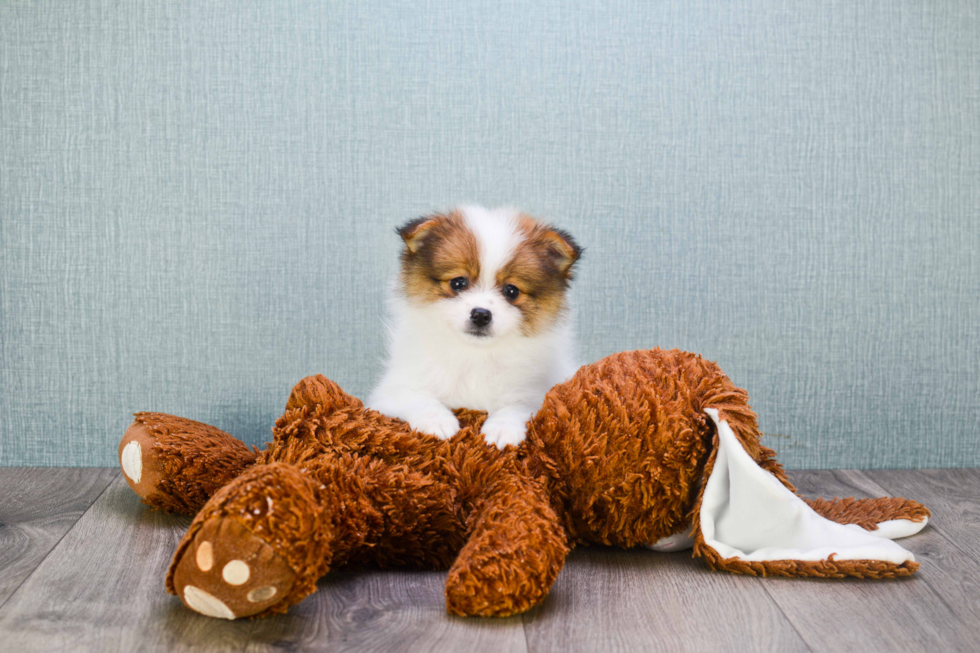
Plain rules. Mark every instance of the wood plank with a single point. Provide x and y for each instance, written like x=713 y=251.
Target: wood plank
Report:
x=924 y=612
x=101 y=588
x=383 y=610
x=40 y=505
x=608 y=599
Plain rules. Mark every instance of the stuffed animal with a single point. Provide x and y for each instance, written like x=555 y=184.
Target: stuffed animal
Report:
x=645 y=448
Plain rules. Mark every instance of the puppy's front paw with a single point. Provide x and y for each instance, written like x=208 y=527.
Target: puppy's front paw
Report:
x=442 y=424
x=502 y=433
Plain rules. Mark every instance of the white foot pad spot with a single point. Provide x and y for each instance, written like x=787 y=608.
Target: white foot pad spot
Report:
x=236 y=572
x=210 y=606
x=132 y=461
x=260 y=594
x=205 y=556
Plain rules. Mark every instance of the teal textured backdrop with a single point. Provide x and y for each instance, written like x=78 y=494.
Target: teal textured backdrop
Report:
x=198 y=201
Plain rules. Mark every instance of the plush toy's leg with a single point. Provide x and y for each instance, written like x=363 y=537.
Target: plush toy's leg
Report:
x=176 y=464
x=247 y=547
x=514 y=552
x=264 y=540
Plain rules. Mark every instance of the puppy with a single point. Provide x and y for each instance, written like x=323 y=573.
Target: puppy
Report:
x=478 y=320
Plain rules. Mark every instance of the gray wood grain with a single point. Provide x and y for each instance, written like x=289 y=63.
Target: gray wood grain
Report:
x=101 y=588
x=361 y=610
x=37 y=508
x=935 y=609
x=614 y=600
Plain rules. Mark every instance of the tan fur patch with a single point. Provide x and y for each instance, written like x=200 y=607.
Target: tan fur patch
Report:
x=438 y=248
x=558 y=244
x=541 y=268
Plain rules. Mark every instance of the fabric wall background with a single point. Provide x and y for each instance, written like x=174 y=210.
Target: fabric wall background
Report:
x=198 y=201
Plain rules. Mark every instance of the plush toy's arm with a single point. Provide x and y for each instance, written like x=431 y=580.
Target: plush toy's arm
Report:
x=515 y=550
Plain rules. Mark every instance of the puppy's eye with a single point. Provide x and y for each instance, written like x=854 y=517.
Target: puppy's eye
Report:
x=459 y=284
x=511 y=291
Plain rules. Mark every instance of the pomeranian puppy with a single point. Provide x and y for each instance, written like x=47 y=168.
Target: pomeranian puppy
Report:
x=478 y=320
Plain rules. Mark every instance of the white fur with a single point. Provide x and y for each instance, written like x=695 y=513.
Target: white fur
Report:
x=434 y=365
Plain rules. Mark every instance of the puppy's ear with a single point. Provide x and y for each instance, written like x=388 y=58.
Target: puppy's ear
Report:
x=415 y=231
x=562 y=248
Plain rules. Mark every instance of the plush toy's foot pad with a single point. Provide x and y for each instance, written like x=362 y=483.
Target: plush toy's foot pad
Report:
x=228 y=572
x=140 y=460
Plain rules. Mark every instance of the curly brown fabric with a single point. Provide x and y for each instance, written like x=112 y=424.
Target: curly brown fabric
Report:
x=616 y=455
x=185 y=461
x=868 y=513
x=515 y=548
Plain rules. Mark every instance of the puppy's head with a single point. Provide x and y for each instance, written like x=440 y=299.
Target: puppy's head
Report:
x=487 y=273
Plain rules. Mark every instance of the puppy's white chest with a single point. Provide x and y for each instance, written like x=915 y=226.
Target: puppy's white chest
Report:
x=481 y=380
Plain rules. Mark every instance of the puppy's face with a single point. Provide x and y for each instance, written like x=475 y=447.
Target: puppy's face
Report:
x=487 y=273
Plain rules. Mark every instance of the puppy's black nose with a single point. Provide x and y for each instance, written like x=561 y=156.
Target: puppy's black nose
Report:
x=480 y=317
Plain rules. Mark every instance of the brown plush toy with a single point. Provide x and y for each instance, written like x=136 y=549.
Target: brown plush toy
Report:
x=640 y=448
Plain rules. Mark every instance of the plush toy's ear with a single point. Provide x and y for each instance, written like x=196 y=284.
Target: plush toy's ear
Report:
x=415 y=231
x=765 y=529
x=563 y=249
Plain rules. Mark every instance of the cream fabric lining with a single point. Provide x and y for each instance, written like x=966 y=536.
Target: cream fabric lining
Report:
x=746 y=513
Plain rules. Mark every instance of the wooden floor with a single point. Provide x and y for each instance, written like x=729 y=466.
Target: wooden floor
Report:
x=82 y=564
